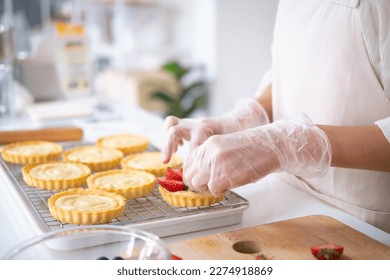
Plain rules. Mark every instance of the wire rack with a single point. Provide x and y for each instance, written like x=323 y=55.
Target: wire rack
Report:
x=137 y=211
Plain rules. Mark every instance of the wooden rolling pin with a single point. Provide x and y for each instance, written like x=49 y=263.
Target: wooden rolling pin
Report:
x=57 y=134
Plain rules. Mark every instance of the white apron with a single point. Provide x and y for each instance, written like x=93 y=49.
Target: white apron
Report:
x=321 y=68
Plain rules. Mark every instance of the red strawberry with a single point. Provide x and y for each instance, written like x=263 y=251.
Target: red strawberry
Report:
x=174 y=257
x=174 y=174
x=260 y=257
x=327 y=251
x=171 y=185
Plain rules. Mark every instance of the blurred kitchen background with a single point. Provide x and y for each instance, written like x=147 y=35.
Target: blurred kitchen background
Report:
x=182 y=57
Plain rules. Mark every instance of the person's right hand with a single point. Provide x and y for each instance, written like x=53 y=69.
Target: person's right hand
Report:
x=247 y=113
x=222 y=162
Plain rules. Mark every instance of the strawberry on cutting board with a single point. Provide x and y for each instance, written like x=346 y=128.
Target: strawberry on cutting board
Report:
x=327 y=251
x=171 y=185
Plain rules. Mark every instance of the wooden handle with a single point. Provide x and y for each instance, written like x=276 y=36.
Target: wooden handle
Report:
x=48 y=134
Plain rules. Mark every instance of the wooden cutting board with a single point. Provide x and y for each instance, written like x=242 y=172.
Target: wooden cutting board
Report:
x=285 y=240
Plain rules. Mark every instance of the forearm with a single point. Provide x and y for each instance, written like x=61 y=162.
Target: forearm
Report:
x=361 y=147
x=265 y=99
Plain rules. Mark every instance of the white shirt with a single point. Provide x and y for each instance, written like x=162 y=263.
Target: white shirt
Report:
x=376 y=34
x=323 y=61
x=375 y=29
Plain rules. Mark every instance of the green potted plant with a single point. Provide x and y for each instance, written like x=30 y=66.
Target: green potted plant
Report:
x=192 y=94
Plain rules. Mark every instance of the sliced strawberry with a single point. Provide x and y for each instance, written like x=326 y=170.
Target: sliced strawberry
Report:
x=171 y=185
x=327 y=251
x=174 y=174
x=174 y=257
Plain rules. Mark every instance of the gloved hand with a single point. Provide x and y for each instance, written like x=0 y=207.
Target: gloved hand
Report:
x=223 y=162
x=247 y=113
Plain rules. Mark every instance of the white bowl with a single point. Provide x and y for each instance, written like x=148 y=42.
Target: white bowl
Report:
x=91 y=243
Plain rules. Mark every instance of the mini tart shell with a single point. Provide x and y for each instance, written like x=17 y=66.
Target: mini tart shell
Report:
x=26 y=159
x=129 y=191
x=188 y=198
x=95 y=166
x=143 y=143
x=86 y=217
x=175 y=162
x=52 y=184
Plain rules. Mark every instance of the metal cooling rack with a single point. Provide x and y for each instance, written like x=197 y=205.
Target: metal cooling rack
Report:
x=145 y=209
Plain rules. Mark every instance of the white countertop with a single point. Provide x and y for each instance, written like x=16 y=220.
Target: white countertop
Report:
x=270 y=199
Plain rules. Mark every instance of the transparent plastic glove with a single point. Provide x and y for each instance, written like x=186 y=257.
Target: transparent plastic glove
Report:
x=247 y=113
x=223 y=162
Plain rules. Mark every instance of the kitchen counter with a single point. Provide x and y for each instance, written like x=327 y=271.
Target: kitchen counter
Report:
x=270 y=199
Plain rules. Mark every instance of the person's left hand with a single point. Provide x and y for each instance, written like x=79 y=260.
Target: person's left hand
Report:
x=227 y=161
x=246 y=113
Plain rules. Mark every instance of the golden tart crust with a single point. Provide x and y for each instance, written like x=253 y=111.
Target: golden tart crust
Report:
x=98 y=159
x=55 y=175
x=188 y=198
x=127 y=143
x=128 y=183
x=150 y=162
x=31 y=152
x=86 y=206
